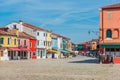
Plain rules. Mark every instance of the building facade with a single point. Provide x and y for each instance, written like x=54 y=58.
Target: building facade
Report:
x=8 y=41
x=43 y=36
x=110 y=30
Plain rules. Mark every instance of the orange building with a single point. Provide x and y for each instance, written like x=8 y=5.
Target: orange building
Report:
x=110 y=31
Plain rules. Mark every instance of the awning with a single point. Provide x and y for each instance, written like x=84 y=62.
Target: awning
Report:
x=64 y=51
x=15 y=49
x=25 y=49
x=110 y=45
x=19 y=49
x=52 y=51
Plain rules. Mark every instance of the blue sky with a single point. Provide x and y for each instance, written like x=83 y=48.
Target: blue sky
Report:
x=71 y=18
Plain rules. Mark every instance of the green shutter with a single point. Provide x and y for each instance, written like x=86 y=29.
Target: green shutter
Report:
x=14 y=41
x=1 y=40
x=19 y=42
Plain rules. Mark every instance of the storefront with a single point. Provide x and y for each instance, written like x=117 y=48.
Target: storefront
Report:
x=52 y=53
x=18 y=53
x=4 y=54
x=112 y=51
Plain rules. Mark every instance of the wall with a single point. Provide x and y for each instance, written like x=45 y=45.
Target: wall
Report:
x=41 y=38
x=18 y=25
x=65 y=44
x=5 y=44
x=54 y=43
x=69 y=45
x=29 y=31
x=22 y=42
x=109 y=19
x=60 y=46
x=48 y=39
x=33 y=47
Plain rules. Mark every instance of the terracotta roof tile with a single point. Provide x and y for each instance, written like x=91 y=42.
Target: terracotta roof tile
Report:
x=60 y=36
x=111 y=6
x=21 y=34
x=7 y=33
x=34 y=27
x=25 y=35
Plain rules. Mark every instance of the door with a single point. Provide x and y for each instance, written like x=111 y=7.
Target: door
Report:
x=11 y=54
x=41 y=53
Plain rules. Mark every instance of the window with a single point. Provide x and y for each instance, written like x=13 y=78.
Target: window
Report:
x=44 y=34
x=34 y=44
x=38 y=42
x=25 y=42
x=14 y=27
x=25 y=54
x=44 y=43
x=8 y=41
x=14 y=41
x=37 y=33
x=9 y=53
x=1 y=40
x=108 y=33
x=30 y=44
x=38 y=53
x=19 y=42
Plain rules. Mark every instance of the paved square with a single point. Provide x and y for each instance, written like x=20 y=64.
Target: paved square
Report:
x=79 y=68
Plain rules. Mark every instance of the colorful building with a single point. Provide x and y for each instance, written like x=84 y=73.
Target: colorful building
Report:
x=54 y=51
x=48 y=40
x=23 y=46
x=65 y=46
x=43 y=36
x=7 y=42
x=110 y=31
x=27 y=46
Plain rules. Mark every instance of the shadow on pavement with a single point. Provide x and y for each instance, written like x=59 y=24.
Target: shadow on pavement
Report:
x=91 y=61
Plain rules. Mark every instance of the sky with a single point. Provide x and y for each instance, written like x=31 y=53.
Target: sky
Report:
x=71 y=18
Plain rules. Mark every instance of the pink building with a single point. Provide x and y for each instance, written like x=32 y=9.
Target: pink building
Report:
x=27 y=45
x=110 y=31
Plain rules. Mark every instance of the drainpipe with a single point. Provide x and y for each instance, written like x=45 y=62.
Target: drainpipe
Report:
x=102 y=27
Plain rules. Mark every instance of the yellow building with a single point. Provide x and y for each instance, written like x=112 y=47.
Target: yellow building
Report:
x=8 y=40
x=48 y=40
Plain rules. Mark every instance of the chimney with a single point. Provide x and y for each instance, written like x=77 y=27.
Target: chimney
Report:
x=21 y=22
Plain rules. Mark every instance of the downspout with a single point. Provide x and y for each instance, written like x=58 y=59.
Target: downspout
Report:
x=102 y=27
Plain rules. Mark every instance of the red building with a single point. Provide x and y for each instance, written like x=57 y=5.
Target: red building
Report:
x=110 y=32
x=33 y=48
